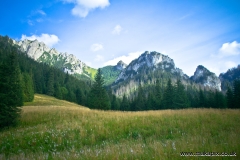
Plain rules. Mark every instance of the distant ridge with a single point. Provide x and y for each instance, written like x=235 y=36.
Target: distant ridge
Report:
x=208 y=79
x=40 y=52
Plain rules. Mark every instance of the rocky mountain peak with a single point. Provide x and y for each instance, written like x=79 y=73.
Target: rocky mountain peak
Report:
x=228 y=78
x=34 y=49
x=152 y=60
x=200 y=72
x=121 y=65
x=40 y=52
x=208 y=79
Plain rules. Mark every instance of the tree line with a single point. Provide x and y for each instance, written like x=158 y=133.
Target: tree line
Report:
x=158 y=96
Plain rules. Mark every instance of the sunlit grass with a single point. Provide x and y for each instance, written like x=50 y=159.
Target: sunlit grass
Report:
x=53 y=129
x=91 y=71
x=44 y=100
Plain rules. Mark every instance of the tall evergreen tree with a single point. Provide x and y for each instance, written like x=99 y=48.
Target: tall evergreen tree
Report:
x=11 y=92
x=58 y=92
x=230 y=99
x=158 y=95
x=202 y=99
x=219 y=100
x=28 y=90
x=125 y=104
x=115 y=103
x=141 y=99
x=50 y=82
x=180 y=96
x=151 y=102
x=98 y=97
x=236 y=93
x=168 y=96
x=79 y=96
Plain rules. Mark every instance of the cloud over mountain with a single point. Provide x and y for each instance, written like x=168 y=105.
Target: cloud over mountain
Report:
x=125 y=58
x=48 y=39
x=230 y=49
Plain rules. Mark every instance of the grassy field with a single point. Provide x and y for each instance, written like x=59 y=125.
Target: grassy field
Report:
x=54 y=129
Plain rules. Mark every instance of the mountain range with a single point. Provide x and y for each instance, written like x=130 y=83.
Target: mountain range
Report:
x=123 y=78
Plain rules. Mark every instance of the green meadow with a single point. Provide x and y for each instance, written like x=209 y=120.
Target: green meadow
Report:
x=54 y=129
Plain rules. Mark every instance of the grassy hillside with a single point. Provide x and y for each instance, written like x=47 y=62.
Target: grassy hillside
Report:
x=110 y=74
x=90 y=71
x=54 y=129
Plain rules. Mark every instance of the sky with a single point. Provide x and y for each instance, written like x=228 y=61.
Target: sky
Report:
x=102 y=32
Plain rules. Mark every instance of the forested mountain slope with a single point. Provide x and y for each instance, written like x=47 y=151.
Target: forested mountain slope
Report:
x=68 y=63
x=42 y=78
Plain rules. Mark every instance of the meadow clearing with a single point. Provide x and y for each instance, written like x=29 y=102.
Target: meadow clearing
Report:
x=54 y=129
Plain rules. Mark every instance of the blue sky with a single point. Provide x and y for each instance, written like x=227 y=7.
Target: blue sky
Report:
x=102 y=32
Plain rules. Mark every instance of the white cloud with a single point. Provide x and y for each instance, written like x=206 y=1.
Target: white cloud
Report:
x=229 y=64
x=30 y=22
x=80 y=11
x=88 y=63
x=126 y=59
x=39 y=20
x=220 y=66
x=96 y=47
x=99 y=58
x=49 y=40
x=117 y=30
x=41 y=12
x=229 y=49
x=83 y=7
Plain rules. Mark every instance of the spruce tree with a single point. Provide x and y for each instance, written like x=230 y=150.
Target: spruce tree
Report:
x=98 y=97
x=125 y=104
x=11 y=93
x=115 y=104
x=50 y=82
x=236 y=93
x=158 y=95
x=180 y=96
x=168 y=96
x=58 y=92
x=202 y=99
x=141 y=99
x=230 y=99
x=28 y=90
x=220 y=101
x=79 y=96
x=151 y=102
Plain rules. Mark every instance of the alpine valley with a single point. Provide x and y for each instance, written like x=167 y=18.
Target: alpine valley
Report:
x=119 y=79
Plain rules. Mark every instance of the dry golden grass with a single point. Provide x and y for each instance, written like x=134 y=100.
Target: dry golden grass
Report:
x=53 y=129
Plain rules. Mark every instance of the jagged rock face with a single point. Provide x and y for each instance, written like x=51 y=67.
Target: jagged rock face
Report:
x=42 y=53
x=121 y=65
x=231 y=74
x=153 y=60
x=206 y=78
x=34 y=49
x=228 y=78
